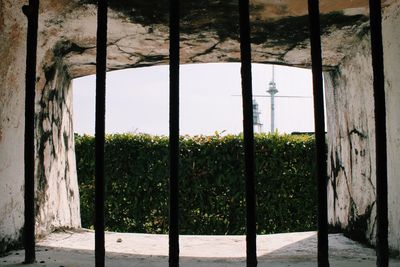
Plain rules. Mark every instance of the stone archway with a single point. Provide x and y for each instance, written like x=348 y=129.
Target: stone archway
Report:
x=138 y=36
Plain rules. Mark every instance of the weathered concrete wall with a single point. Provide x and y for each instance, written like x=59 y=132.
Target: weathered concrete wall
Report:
x=351 y=144
x=57 y=192
x=351 y=137
x=391 y=35
x=11 y=123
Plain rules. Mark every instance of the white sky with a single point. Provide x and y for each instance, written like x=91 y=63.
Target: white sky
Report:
x=137 y=99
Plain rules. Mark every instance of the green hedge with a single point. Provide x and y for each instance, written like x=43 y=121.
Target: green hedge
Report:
x=211 y=183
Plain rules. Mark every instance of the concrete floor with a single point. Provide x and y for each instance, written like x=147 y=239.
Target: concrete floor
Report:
x=75 y=248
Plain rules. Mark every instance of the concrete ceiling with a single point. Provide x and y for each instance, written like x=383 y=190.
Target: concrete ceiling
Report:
x=138 y=32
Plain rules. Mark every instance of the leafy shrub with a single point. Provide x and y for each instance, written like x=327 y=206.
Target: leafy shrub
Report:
x=212 y=196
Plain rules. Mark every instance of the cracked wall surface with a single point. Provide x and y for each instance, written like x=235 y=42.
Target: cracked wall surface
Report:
x=138 y=32
x=137 y=37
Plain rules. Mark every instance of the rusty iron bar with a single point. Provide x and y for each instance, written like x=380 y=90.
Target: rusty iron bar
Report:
x=382 y=247
x=321 y=158
x=174 y=13
x=101 y=68
x=248 y=131
x=32 y=13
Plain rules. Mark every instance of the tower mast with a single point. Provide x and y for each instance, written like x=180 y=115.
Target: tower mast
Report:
x=272 y=91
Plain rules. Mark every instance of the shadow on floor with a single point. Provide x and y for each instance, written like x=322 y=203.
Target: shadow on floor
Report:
x=343 y=253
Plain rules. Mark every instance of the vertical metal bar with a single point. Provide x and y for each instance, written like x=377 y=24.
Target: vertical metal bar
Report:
x=321 y=157
x=101 y=68
x=174 y=13
x=382 y=247
x=247 y=96
x=32 y=13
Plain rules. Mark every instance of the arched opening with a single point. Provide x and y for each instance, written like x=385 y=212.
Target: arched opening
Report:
x=217 y=95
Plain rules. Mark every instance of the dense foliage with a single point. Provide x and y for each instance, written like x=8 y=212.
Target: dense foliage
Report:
x=211 y=183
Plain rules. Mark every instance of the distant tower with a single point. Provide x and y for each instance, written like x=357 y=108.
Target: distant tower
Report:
x=256 y=117
x=272 y=91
